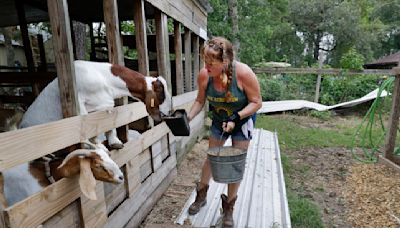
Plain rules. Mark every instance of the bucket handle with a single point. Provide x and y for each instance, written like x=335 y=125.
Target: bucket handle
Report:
x=220 y=139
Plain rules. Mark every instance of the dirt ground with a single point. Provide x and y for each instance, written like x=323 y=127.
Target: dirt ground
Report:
x=348 y=193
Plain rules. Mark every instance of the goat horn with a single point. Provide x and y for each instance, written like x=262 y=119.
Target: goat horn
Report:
x=79 y=152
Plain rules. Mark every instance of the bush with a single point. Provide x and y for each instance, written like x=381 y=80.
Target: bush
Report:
x=271 y=89
x=352 y=60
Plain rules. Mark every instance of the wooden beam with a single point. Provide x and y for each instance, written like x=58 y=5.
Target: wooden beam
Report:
x=62 y=42
x=25 y=34
x=27 y=77
x=289 y=70
x=115 y=53
x=163 y=60
x=201 y=60
x=141 y=36
x=393 y=123
x=196 y=63
x=43 y=61
x=34 y=142
x=178 y=58
x=188 y=60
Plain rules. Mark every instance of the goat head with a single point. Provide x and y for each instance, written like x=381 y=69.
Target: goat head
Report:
x=92 y=164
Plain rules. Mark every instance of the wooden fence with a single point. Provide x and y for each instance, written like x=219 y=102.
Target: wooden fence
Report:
x=148 y=163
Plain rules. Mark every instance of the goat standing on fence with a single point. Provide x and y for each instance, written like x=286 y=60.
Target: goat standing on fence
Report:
x=98 y=84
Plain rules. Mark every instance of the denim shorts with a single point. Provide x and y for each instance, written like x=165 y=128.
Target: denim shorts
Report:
x=216 y=132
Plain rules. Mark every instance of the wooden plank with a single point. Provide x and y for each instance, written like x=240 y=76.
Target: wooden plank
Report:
x=201 y=60
x=188 y=60
x=62 y=44
x=94 y=212
x=196 y=63
x=165 y=149
x=157 y=161
x=178 y=10
x=152 y=200
x=288 y=70
x=115 y=194
x=132 y=205
x=163 y=60
x=16 y=99
x=141 y=37
x=115 y=53
x=33 y=142
x=27 y=77
x=68 y=217
x=47 y=203
x=133 y=176
x=184 y=98
x=19 y=4
x=178 y=58
x=146 y=168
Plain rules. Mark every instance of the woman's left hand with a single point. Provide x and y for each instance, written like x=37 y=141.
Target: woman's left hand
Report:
x=228 y=126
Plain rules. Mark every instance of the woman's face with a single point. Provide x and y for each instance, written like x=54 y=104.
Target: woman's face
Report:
x=214 y=66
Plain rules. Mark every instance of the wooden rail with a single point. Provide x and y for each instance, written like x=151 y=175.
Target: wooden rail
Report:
x=281 y=70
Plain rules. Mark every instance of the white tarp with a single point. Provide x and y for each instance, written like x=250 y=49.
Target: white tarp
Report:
x=279 y=106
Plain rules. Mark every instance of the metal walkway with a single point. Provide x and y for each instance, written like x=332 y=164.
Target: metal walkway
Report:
x=262 y=201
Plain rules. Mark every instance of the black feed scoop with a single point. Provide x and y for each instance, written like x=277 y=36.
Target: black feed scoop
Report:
x=178 y=123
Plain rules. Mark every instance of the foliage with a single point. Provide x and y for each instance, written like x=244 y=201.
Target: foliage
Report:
x=303 y=213
x=271 y=89
x=323 y=115
x=352 y=60
x=336 y=90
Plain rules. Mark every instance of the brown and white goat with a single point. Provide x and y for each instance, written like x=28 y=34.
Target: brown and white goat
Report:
x=90 y=164
x=98 y=84
x=10 y=119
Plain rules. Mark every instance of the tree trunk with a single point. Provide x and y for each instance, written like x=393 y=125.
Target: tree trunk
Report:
x=316 y=45
x=8 y=34
x=233 y=12
x=80 y=39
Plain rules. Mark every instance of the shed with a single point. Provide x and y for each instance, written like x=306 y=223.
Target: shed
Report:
x=386 y=62
x=148 y=162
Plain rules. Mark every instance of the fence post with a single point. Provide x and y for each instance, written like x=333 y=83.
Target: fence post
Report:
x=394 y=119
x=317 y=87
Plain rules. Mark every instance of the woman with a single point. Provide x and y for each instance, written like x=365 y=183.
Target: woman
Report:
x=233 y=92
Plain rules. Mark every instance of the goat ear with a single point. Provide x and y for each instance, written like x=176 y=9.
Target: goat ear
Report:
x=75 y=153
x=87 y=182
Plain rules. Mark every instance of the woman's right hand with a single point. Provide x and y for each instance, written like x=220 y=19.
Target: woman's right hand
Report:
x=228 y=126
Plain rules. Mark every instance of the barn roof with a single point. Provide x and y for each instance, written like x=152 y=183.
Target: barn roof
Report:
x=80 y=10
x=386 y=62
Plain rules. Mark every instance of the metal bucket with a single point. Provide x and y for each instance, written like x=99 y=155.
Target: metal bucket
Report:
x=227 y=164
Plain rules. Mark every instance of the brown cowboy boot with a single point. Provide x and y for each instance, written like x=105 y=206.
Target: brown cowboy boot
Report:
x=227 y=207
x=201 y=199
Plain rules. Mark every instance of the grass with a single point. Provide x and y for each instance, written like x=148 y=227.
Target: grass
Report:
x=293 y=135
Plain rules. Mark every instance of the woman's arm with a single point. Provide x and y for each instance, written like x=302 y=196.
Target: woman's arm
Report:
x=251 y=87
x=201 y=94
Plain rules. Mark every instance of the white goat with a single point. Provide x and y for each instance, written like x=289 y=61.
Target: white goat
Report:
x=24 y=180
x=98 y=84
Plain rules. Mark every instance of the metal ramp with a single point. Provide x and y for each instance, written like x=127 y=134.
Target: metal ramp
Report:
x=262 y=201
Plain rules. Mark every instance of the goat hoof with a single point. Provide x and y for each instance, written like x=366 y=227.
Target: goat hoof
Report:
x=116 y=146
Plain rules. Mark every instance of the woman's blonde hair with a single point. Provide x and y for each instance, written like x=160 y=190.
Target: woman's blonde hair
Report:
x=223 y=52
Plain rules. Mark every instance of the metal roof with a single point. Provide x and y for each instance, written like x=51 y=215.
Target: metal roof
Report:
x=262 y=200
x=281 y=106
x=386 y=62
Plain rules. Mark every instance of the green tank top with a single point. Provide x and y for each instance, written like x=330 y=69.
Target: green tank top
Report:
x=223 y=107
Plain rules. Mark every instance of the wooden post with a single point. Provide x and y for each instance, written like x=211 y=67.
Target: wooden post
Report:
x=25 y=35
x=318 y=86
x=188 y=60
x=393 y=121
x=115 y=54
x=200 y=59
x=141 y=36
x=196 y=63
x=178 y=58
x=43 y=61
x=163 y=60
x=92 y=43
x=62 y=42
